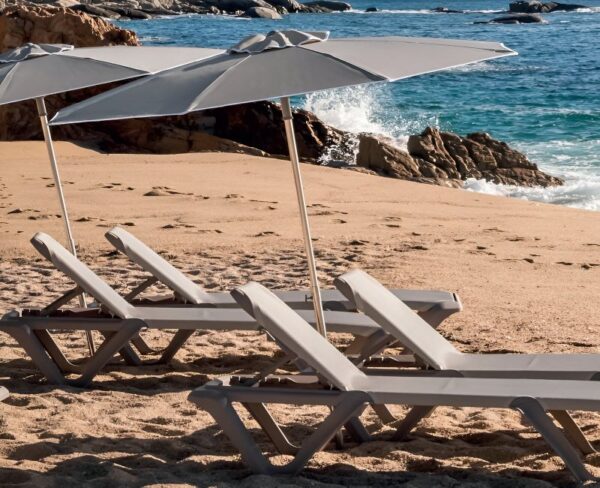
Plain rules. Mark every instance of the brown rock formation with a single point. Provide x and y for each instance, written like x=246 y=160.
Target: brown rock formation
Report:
x=19 y=25
x=446 y=158
x=260 y=125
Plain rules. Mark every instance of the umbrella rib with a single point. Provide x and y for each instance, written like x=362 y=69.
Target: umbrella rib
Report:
x=194 y=102
x=422 y=39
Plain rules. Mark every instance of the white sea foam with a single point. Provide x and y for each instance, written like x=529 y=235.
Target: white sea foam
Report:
x=365 y=109
x=577 y=162
x=423 y=11
x=578 y=193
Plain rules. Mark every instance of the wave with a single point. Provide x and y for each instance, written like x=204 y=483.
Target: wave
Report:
x=577 y=193
x=588 y=10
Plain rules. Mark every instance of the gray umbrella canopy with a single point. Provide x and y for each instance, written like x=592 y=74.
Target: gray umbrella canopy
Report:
x=34 y=71
x=275 y=66
x=280 y=65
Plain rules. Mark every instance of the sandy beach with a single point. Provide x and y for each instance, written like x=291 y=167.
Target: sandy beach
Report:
x=528 y=275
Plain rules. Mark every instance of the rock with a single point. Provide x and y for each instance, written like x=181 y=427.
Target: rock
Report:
x=448 y=159
x=19 y=25
x=260 y=125
x=372 y=9
x=233 y=6
x=96 y=11
x=262 y=13
x=516 y=19
x=289 y=5
x=378 y=154
x=331 y=5
x=129 y=13
x=535 y=6
x=446 y=10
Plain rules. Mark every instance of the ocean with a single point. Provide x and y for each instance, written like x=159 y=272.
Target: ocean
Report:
x=545 y=102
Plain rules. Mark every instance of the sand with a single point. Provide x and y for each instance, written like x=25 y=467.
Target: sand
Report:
x=527 y=273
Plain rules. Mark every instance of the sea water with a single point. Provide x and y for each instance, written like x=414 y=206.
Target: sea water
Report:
x=545 y=102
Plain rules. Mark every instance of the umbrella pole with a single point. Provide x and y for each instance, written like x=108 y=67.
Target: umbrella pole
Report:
x=43 y=113
x=310 y=255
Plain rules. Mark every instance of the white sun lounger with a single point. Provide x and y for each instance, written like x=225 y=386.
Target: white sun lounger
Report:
x=3 y=393
x=354 y=390
x=436 y=352
x=433 y=306
x=121 y=322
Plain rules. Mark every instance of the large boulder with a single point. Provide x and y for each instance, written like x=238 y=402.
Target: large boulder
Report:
x=233 y=6
x=260 y=125
x=331 y=5
x=448 y=159
x=19 y=25
x=535 y=6
x=516 y=19
x=289 y=5
x=262 y=13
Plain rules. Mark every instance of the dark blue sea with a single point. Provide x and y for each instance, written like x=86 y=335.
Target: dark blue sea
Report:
x=545 y=102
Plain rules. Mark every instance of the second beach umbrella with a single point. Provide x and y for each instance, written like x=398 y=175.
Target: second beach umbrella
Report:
x=281 y=64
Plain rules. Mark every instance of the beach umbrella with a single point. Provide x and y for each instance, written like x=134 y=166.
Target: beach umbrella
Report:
x=280 y=65
x=34 y=71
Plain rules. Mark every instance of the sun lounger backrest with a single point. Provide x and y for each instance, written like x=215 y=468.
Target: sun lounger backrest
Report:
x=152 y=262
x=395 y=317
x=297 y=335
x=83 y=276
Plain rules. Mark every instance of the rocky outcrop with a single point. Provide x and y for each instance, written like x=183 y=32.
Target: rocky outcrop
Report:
x=19 y=25
x=145 y=9
x=330 y=5
x=262 y=13
x=448 y=159
x=537 y=7
x=515 y=19
x=260 y=125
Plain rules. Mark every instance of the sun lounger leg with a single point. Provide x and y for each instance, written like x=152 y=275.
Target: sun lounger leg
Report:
x=222 y=411
x=357 y=430
x=411 y=420
x=573 y=431
x=176 y=343
x=34 y=348
x=127 y=353
x=260 y=413
x=535 y=413
x=55 y=353
x=107 y=350
x=142 y=346
x=384 y=414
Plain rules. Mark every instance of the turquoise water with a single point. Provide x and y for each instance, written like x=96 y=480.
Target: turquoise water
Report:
x=546 y=101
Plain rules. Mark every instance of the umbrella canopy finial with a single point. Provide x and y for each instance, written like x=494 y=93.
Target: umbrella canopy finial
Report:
x=31 y=50
x=258 y=43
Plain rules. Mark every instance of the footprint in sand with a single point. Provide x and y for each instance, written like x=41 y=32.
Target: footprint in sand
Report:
x=393 y=226
x=178 y=225
x=339 y=221
x=264 y=201
x=392 y=218
x=565 y=263
x=163 y=191
x=516 y=239
x=89 y=219
x=266 y=233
